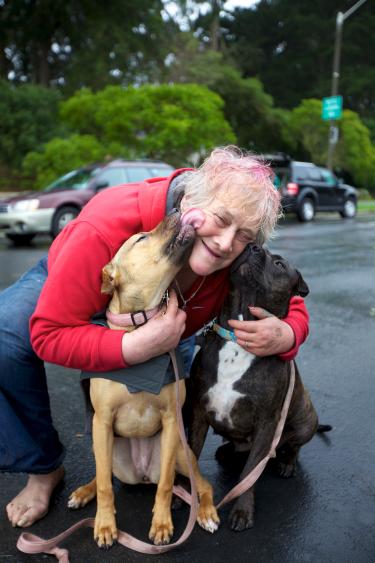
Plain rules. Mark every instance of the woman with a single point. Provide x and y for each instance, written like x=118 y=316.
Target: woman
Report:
x=241 y=206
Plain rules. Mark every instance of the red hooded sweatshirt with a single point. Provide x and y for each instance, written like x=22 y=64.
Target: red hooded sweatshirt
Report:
x=61 y=331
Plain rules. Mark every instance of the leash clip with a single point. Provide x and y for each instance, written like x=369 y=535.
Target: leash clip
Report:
x=208 y=327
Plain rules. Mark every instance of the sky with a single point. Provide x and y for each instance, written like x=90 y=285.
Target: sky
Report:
x=230 y=4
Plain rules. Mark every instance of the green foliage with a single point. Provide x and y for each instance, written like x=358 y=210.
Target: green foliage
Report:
x=248 y=108
x=62 y=155
x=354 y=152
x=370 y=124
x=29 y=118
x=310 y=131
x=277 y=51
x=289 y=45
x=165 y=122
x=76 y=43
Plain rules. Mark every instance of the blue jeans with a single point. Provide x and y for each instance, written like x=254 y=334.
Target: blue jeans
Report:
x=29 y=442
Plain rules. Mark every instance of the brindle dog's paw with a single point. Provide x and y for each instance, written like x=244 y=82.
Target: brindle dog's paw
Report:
x=286 y=470
x=161 y=532
x=241 y=519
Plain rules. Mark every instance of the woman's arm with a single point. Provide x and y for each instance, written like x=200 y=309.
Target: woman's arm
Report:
x=270 y=335
x=61 y=328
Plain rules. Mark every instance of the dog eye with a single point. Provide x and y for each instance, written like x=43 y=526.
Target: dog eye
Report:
x=279 y=264
x=142 y=237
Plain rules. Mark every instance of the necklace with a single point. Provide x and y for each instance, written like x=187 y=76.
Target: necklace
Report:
x=186 y=301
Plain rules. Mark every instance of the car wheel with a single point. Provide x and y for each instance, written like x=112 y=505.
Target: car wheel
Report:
x=62 y=217
x=20 y=240
x=350 y=208
x=306 y=210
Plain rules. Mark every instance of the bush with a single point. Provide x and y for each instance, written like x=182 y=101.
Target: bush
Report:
x=167 y=122
x=59 y=156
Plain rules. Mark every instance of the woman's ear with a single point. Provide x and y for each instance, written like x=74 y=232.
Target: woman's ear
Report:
x=109 y=278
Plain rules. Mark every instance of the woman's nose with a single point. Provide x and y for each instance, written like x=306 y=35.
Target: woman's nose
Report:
x=226 y=239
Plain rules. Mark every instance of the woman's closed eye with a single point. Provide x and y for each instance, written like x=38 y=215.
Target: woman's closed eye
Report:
x=220 y=220
x=245 y=236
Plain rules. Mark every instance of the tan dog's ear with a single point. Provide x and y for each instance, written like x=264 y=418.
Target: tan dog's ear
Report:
x=109 y=278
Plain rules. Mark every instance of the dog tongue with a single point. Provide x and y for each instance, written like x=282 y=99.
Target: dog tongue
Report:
x=194 y=217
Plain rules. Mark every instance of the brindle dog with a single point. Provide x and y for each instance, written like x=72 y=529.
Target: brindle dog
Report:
x=240 y=395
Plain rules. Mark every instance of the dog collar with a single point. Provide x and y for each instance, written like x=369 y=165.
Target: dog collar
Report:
x=138 y=318
x=224 y=333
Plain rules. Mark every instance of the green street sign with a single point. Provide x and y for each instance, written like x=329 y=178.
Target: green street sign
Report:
x=332 y=107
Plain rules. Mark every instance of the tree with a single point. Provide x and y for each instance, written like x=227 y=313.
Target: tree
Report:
x=354 y=154
x=310 y=131
x=177 y=124
x=29 y=118
x=75 y=43
x=249 y=110
x=289 y=44
x=60 y=156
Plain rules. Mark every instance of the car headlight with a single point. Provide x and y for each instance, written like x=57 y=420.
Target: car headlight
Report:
x=25 y=205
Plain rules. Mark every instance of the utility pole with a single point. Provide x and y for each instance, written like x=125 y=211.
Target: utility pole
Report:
x=333 y=131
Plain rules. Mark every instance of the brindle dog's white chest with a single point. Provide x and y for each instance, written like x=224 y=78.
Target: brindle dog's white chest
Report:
x=233 y=363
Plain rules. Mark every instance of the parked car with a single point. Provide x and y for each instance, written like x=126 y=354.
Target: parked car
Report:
x=48 y=211
x=307 y=188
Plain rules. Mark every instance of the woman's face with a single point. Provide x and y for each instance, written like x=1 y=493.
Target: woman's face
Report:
x=221 y=238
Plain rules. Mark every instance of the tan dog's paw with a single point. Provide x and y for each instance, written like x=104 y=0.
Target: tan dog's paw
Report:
x=105 y=530
x=207 y=518
x=161 y=530
x=81 y=496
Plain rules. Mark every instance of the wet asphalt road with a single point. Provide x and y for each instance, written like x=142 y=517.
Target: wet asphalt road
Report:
x=327 y=512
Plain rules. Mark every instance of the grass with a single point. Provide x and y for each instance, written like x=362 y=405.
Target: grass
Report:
x=366 y=206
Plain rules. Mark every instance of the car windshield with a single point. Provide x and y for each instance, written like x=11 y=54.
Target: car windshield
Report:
x=75 y=180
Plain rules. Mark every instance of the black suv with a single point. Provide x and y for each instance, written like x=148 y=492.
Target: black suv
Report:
x=307 y=188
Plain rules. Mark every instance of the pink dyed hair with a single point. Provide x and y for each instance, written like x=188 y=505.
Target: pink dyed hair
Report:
x=241 y=180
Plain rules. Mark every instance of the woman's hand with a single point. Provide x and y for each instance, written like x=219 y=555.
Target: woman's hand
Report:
x=265 y=337
x=159 y=335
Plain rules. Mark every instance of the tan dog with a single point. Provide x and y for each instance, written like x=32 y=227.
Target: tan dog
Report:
x=138 y=277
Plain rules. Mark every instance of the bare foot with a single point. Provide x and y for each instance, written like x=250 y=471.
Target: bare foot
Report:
x=32 y=503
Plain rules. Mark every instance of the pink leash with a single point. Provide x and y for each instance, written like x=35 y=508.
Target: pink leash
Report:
x=31 y=544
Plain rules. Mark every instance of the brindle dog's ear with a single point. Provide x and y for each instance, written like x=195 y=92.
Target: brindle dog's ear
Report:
x=301 y=288
x=108 y=279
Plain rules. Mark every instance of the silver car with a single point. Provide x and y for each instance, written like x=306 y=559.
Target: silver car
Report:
x=48 y=211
